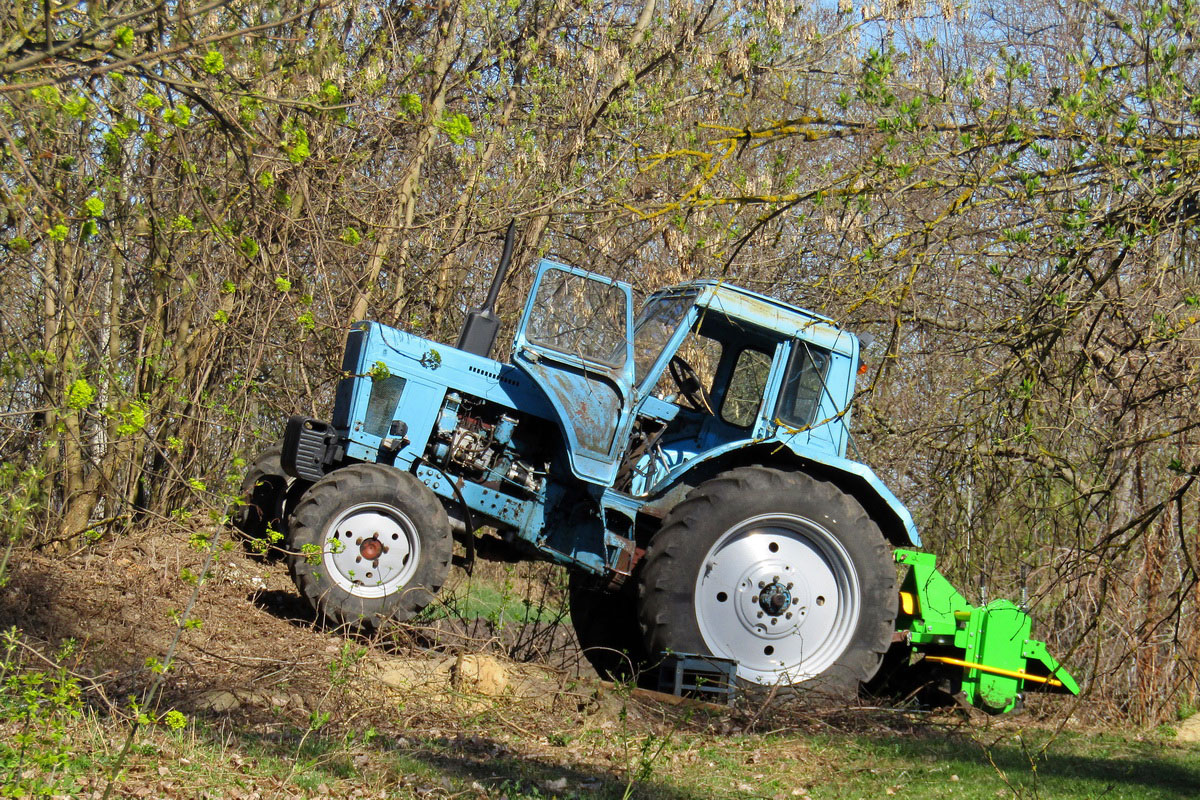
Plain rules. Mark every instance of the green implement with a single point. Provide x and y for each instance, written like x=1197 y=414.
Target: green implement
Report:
x=987 y=648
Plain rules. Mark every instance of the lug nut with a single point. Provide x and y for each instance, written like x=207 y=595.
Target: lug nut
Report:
x=762 y=584
x=760 y=615
x=754 y=599
x=375 y=563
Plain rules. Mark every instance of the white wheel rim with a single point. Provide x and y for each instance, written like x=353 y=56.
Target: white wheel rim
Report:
x=371 y=550
x=778 y=593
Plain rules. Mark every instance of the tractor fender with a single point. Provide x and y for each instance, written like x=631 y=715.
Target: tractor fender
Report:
x=851 y=477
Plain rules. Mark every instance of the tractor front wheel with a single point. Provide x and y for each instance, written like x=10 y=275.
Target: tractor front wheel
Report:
x=268 y=496
x=369 y=544
x=780 y=571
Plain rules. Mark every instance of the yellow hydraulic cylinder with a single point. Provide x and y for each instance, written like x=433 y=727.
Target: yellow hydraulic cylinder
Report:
x=1008 y=673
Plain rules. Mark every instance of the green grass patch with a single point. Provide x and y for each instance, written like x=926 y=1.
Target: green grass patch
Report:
x=930 y=764
x=501 y=598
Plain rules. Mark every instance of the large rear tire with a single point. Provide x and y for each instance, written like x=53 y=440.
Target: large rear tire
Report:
x=606 y=625
x=369 y=544
x=783 y=572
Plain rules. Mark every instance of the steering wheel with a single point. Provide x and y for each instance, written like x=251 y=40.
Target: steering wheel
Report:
x=690 y=386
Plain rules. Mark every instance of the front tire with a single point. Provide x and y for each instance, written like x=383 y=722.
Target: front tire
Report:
x=268 y=495
x=783 y=572
x=369 y=544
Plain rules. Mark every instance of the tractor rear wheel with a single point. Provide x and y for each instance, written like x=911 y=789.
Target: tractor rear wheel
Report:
x=783 y=572
x=369 y=544
x=606 y=625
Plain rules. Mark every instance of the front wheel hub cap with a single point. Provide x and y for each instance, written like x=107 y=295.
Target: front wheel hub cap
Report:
x=371 y=550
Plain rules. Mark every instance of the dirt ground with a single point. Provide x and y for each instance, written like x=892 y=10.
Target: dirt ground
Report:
x=468 y=699
x=259 y=658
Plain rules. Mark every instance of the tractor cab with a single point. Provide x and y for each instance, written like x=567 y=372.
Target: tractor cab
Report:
x=704 y=368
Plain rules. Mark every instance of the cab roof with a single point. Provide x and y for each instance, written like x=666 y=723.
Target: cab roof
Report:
x=766 y=313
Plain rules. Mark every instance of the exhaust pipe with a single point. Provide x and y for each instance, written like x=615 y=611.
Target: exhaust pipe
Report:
x=481 y=326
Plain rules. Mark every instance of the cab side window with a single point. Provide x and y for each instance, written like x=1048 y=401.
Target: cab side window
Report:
x=747 y=383
x=804 y=385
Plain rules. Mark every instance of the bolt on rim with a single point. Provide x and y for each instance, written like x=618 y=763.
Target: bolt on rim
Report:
x=371 y=550
x=779 y=594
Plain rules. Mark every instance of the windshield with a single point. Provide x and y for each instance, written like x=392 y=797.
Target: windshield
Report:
x=583 y=317
x=654 y=326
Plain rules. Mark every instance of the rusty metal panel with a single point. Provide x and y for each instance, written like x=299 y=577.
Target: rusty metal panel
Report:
x=594 y=405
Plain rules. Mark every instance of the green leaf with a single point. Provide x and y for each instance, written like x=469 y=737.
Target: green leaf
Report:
x=457 y=127
x=77 y=106
x=410 y=104
x=80 y=394
x=175 y=720
x=214 y=62
x=295 y=143
x=179 y=116
x=248 y=246
x=93 y=206
x=379 y=372
x=283 y=284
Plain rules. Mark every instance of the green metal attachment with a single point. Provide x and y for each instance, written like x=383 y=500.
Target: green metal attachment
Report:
x=990 y=644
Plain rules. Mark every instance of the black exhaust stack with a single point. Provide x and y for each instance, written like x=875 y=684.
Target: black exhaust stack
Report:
x=480 y=329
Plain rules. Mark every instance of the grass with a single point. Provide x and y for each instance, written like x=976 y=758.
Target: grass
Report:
x=505 y=594
x=1013 y=764
x=608 y=758
x=495 y=604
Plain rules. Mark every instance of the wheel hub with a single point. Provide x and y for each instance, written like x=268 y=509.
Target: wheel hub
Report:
x=769 y=599
x=779 y=593
x=775 y=598
x=371 y=550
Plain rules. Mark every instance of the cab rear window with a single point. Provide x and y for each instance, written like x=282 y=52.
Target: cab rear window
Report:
x=803 y=385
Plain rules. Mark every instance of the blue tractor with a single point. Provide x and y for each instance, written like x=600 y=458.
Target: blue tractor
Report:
x=687 y=464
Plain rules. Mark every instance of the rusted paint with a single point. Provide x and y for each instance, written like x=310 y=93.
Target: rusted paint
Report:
x=594 y=403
